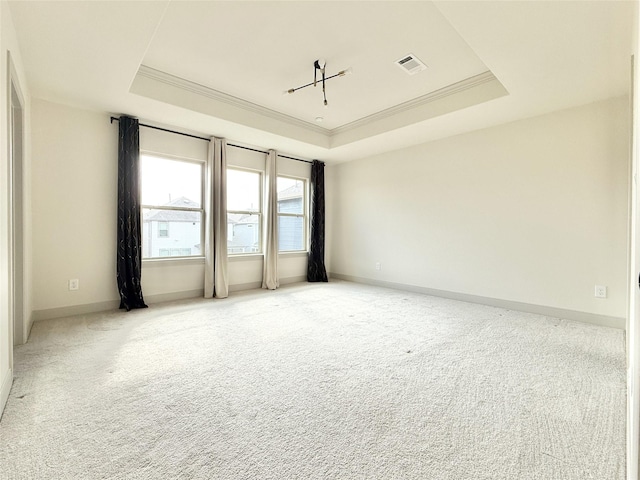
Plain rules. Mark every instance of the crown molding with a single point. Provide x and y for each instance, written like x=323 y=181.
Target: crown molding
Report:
x=402 y=108
x=470 y=91
x=187 y=85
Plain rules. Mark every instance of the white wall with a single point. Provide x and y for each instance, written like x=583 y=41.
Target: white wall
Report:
x=9 y=45
x=533 y=211
x=74 y=202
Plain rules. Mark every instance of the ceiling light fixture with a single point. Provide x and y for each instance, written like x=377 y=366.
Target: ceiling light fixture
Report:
x=320 y=64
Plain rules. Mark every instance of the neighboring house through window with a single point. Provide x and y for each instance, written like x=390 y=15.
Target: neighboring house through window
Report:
x=292 y=214
x=244 y=211
x=171 y=207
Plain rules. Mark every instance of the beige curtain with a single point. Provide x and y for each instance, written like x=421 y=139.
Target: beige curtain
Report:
x=270 y=269
x=216 y=281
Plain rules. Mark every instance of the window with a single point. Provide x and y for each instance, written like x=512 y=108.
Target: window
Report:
x=244 y=211
x=292 y=214
x=163 y=229
x=171 y=207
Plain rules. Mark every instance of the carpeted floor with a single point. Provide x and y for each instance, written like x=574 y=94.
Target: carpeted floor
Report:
x=317 y=381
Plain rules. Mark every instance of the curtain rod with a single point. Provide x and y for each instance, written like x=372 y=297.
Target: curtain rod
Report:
x=208 y=139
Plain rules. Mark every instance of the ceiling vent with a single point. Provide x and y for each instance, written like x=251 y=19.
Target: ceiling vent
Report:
x=410 y=64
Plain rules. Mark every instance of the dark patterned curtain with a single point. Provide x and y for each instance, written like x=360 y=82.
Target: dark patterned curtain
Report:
x=315 y=267
x=129 y=252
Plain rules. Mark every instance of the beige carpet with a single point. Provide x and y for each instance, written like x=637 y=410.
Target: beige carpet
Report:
x=319 y=381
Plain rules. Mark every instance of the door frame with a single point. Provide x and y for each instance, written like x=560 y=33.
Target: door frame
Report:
x=633 y=312
x=16 y=204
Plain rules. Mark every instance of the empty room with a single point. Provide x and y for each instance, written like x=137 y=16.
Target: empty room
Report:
x=319 y=239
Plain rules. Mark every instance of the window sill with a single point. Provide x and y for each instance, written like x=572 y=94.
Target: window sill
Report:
x=169 y=261
x=245 y=257
x=248 y=257
x=293 y=254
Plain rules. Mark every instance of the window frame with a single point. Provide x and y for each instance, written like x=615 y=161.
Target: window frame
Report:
x=143 y=206
x=304 y=214
x=259 y=212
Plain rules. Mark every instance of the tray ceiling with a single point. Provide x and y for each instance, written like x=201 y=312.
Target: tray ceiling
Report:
x=219 y=68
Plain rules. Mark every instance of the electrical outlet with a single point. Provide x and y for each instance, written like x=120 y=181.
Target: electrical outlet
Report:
x=74 y=284
x=601 y=291
x=378 y=266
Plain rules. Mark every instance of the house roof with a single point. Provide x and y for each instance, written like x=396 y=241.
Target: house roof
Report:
x=294 y=191
x=240 y=218
x=158 y=215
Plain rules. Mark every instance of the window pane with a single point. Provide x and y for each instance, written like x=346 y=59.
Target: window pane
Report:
x=290 y=195
x=163 y=229
x=290 y=233
x=170 y=182
x=171 y=233
x=243 y=190
x=243 y=235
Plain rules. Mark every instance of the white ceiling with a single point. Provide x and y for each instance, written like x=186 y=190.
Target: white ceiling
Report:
x=219 y=68
x=256 y=52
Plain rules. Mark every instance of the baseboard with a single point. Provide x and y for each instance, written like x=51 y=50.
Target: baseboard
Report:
x=73 y=310
x=29 y=327
x=7 y=381
x=595 y=319
x=239 y=287
x=97 y=307
x=256 y=285
x=173 y=296
x=289 y=280
x=70 y=311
